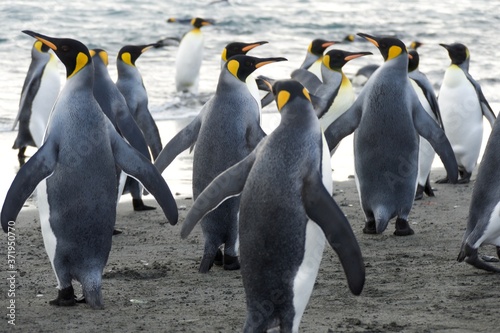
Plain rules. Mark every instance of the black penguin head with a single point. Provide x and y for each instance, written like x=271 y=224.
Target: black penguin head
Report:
x=458 y=52
x=389 y=47
x=288 y=90
x=318 y=46
x=336 y=59
x=72 y=53
x=236 y=48
x=242 y=65
x=198 y=22
x=415 y=45
x=130 y=53
x=413 y=60
x=103 y=55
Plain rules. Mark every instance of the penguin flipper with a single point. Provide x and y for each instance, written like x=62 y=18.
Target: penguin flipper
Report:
x=137 y=166
x=180 y=142
x=343 y=125
x=37 y=168
x=432 y=100
x=30 y=88
x=228 y=184
x=152 y=135
x=131 y=131
x=322 y=209
x=429 y=129
x=309 y=80
x=485 y=106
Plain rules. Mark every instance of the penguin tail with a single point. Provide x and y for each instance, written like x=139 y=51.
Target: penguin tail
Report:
x=382 y=218
x=91 y=286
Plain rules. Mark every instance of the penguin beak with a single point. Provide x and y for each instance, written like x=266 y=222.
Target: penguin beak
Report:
x=356 y=55
x=446 y=46
x=147 y=47
x=327 y=44
x=371 y=39
x=49 y=41
x=252 y=46
x=265 y=61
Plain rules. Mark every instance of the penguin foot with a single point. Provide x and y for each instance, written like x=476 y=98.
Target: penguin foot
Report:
x=219 y=258
x=403 y=228
x=444 y=180
x=117 y=232
x=80 y=299
x=428 y=188
x=139 y=205
x=21 y=157
x=231 y=263
x=65 y=297
x=420 y=192
x=206 y=263
x=370 y=228
x=486 y=258
x=463 y=181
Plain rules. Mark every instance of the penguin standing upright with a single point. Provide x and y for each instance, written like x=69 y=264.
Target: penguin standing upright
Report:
x=131 y=86
x=463 y=105
x=190 y=56
x=427 y=97
x=483 y=221
x=40 y=89
x=114 y=106
x=286 y=212
x=387 y=119
x=75 y=170
x=225 y=131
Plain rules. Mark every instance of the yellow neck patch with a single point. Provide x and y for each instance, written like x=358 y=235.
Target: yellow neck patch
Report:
x=306 y=94
x=326 y=61
x=127 y=58
x=38 y=46
x=233 y=67
x=104 y=57
x=81 y=61
x=283 y=97
x=394 y=51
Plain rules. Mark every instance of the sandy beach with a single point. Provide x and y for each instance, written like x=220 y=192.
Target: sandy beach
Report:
x=152 y=284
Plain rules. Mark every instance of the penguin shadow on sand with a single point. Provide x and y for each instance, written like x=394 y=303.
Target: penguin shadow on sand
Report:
x=282 y=241
x=76 y=177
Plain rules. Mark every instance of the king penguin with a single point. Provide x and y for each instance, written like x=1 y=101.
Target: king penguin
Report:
x=131 y=86
x=225 y=131
x=336 y=88
x=314 y=56
x=114 y=106
x=463 y=105
x=427 y=97
x=75 y=170
x=190 y=56
x=286 y=213
x=387 y=119
x=236 y=48
x=483 y=221
x=38 y=95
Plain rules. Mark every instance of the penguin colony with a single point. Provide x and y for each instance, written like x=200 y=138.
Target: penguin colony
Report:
x=264 y=202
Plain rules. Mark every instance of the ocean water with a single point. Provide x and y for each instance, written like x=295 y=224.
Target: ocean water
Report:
x=287 y=26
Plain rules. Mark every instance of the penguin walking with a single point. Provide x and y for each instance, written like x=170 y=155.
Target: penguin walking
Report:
x=387 y=119
x=463 y=105
x=115 y=107
x=225 y=131
x=286 y=213
x=75 y=170
x=131 y=86
x=483 y=222
x=190 y=56
x=38 y=95
x=427 y=97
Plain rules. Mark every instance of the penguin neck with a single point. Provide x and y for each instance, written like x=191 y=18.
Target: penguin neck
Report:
x=228 y=81
x=127 y=72
x=301 y=115
x=84 y=79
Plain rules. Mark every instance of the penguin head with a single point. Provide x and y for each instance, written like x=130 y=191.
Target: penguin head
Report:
x=198 y=22
x=72 y=53
x=236 y=48
x=318 y=46
x=336 y=59
x=103 y=55
x=415 y=45
x=130 y=53
x=287 y=91
x=242 y=65
x=413 y=60
x=459 y=53
x=389 y=47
